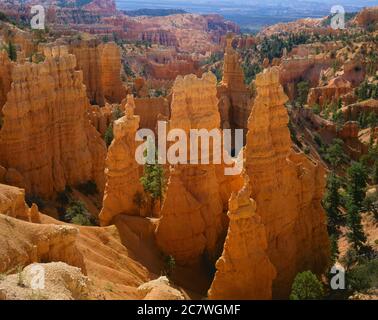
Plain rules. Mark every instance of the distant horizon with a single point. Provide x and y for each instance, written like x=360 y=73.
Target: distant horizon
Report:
x=251 y=15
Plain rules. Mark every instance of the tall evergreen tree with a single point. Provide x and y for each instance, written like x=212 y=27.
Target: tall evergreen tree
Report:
x=12 y=51
x=332 y=203
x=357 y=182
x=356 y=235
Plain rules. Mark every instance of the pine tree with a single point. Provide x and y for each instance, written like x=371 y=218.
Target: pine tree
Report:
x=332 y=203
x=12 y=51
x=357 y=182
x=306 y=286
x=334 y=248
x=356 y=235
x=109 y=135
x=375 y=173
x=153 y=180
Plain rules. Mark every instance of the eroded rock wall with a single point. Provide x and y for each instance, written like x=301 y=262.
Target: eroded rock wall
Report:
x=122 y=170
x=287 y=187
x=46 y=135
x=244 y=271
x=101 y=66
x=199 y=208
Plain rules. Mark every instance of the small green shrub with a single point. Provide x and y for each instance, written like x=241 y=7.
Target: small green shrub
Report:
x=306 y=286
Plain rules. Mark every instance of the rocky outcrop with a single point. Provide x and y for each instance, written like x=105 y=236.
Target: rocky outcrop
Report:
x=5 y=79
x=102 y=7
x=46 y=135
x=61 y=282
x=296 y=69
x=31 y=243
x=234 y=96
x=172 y=69
x=367 y=17
x=122 y=170
x=159 y=289
x=150 y=109
x=331 y=93
x=101 y=66
x=244 y=271
x=101 y=118
x=192 y=220
x=12 y=202
x=287 y=187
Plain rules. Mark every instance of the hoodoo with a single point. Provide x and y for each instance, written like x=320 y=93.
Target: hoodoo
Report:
x=287 y=187
x=122 y=170
x=46 y=135
x=244 y=271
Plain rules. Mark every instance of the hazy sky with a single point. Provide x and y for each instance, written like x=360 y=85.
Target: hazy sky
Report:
x=252 y=2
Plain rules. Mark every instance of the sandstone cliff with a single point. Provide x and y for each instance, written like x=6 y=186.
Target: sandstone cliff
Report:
x=122 y=170
x=5 y=79
x=244 y=271
x=367 y=17
x=234 y=103
x=46 y=135
x=287 y=187
x=101 y=66
x=194 y=106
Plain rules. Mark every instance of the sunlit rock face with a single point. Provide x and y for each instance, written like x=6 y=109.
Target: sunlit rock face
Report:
x=234 y=96
x=193 y=222
x=244 y=271
x=101 y=66
x=46 y=135
x=287 y=187
x=122 y=170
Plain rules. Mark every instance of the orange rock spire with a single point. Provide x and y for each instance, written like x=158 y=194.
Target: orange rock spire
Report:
x=287 y=187
x=244 y=270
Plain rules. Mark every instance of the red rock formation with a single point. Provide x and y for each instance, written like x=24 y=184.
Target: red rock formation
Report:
x=101 y=118
x=122 y=170
x=233 y=94
x=353 y=111
x=367 y=17
x=46 y=135
x=5 y=78
x=296 y=69
x=149 y=109
x=244 y=271
x=172 y=69
x=287 y=187
x=31 y=243
x=103 y=7
x=12 y=202
x=330 y=93
x=101 y=66
x=199 y=208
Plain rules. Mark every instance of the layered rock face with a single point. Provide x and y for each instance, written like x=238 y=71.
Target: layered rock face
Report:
x=12 y=202
x=367 y=17
x=5 y=80
x=101 y=118
x=32 y=243
x=296 y=69
x=122 y=170
x=61 y=282
x=287 y=187
x=46 y=135
x=244 y=271
x=101 y=66
x=192 y=214
x=332 y=92
x=234 y=96
x=150 y=109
